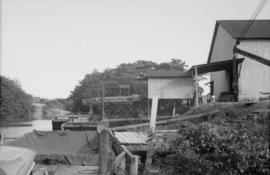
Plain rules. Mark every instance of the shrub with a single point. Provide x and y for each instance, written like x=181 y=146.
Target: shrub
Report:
x=240 y=146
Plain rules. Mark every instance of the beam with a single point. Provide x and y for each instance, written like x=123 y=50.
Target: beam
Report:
x=253 y=56
x=167 y=121
x=112 y=99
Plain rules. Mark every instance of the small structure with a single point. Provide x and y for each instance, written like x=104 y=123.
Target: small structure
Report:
x=239 y=60
x=170 y=84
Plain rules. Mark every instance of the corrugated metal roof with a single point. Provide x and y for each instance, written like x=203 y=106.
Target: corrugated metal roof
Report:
x=167 y=74
x=259 y=29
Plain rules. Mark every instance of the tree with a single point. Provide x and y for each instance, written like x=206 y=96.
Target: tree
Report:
x=15 y=103
x=126 y=73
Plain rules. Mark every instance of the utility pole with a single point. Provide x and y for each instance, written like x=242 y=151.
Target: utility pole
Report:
x=103 y=104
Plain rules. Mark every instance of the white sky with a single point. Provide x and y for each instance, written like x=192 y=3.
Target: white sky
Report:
x=49 y=45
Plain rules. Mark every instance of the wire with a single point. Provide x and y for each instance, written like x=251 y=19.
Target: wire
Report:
x=252 y=18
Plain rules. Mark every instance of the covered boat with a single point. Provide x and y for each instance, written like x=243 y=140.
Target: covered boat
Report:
x=60 y=152
x=16 y=161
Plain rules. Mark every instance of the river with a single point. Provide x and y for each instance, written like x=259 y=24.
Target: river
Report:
x=21 y=128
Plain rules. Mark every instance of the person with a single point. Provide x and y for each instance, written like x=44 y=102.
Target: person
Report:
x=213 y=98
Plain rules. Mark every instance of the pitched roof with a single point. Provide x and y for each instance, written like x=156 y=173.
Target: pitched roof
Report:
x=259 y=29
x=167 y=74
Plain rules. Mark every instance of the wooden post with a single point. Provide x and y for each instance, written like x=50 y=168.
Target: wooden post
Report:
x=151 y=132
x=105 y=154
x=235 y=78
x=174 y=108
x=90 y=109
x=133 y=166
x=196 y=87
x=103 y=104
x=148 y=104
x=153 y=113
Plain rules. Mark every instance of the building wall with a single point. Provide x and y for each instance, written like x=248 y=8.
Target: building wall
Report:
x=254 y=76
x=222 y=50
x=171 y=88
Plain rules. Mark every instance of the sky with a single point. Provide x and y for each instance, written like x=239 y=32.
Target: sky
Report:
x=49 y=45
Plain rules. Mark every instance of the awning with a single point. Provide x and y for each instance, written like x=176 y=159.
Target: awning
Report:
x=214 y=67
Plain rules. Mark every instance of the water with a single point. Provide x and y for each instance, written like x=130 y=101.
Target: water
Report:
x=18 y=129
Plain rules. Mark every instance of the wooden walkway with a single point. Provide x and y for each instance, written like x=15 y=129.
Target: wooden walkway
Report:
x=131 y=138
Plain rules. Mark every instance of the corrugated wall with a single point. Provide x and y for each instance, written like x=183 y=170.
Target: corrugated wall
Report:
x=171 y=88
x=254 y=77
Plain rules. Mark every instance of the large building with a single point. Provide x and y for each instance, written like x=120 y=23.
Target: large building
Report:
x=241 y=50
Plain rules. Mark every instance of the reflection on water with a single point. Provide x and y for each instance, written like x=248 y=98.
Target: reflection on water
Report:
x=18 y=129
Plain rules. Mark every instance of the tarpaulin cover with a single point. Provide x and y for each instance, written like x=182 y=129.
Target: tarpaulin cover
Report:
x=67 y=147
x=15 y=161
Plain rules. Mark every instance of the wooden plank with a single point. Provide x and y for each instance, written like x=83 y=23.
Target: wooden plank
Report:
x=253 y=56
x=131 y=137
x=119 y=159
x=161 y=122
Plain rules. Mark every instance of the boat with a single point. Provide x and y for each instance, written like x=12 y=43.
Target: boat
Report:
x=77 y=152
x=16 y=161
x=61 y=151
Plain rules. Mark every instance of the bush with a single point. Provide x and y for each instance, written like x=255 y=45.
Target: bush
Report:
x=240 y=146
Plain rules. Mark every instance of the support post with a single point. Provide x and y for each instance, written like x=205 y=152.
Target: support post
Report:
x=148 y=104
x=105 y=153
x=174 y=108
x=154 y=114
x=90 y=109
x=196 y=87
x=151 y=132
x=134 y=165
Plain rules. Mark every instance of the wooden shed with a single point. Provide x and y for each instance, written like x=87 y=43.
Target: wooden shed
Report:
x=170 y=84
x=239 y=59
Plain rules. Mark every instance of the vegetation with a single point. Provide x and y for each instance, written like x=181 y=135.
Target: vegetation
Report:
x=129 y=74
x=15 y=103
x=54 y=107
x=231 y=143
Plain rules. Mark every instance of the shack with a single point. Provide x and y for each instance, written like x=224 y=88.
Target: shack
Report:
x=170 y=84
x=239 y=60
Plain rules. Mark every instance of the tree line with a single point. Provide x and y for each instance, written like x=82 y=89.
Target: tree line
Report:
x=130 y=74
x=15 y=103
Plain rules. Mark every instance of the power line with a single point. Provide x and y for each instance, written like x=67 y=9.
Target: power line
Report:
x=252 y=18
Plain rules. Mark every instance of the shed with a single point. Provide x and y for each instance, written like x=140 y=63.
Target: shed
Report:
x=170 y=84
x=239 y=59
